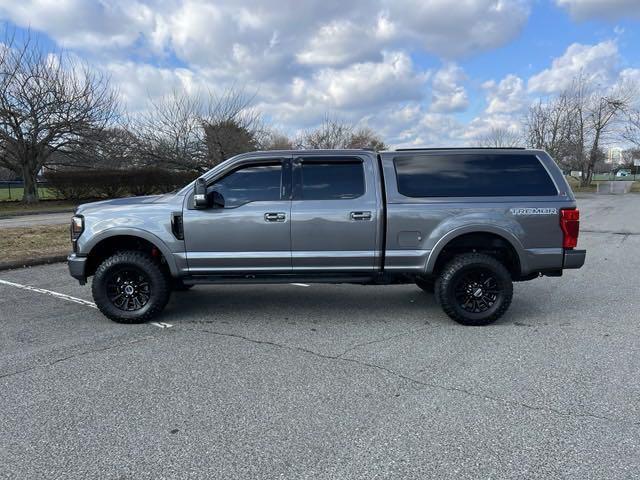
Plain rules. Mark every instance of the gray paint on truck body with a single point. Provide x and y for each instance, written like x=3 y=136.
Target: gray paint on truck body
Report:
x=324 y=236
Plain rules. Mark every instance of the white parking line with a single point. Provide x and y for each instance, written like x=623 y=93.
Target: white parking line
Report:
x=61 y=296
x=300 y=284
x=161 y=324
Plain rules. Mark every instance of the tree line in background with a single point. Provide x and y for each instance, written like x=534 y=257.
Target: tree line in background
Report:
x=60 y=117
x=575 y=126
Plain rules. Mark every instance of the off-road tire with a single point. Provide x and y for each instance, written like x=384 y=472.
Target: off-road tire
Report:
x=453 y=276
x=426 y=284
x=158 y=284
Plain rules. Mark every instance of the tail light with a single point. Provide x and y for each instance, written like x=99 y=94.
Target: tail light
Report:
x=570 y=224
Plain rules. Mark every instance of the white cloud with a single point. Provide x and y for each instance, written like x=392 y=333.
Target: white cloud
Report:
x=484 y=124
x=355 y=60
x=508 y=96
x=597 y=63
x=447 y=93
x=343 y=41
x=598 y=9
x=453 y=29
x=318 y=32
x=431 y=130
x=137 y=83
x=80 y=23
x=363 y=85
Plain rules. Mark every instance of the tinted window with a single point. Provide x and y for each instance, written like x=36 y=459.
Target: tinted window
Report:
x=332 y=181
x=472 y=176
x=250 y=184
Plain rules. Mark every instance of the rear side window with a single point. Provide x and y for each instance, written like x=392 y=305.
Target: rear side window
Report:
x=472 y=175
x=331 y=180
x=250 y=184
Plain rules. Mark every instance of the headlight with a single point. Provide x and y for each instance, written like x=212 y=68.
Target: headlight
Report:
x=77 y=227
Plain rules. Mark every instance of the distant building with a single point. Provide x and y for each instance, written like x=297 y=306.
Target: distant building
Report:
x=614 y=156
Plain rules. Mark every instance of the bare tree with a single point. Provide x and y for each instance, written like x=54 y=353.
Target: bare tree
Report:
x=231 y=126
x=196 y=132
x=574 y=126
x=170 y=132
x=500 y=138
x=274 y=140
x=548 y=127
x=333 y=133
x=632 y=130
x=115 y=147
x=366 y=138
x=6 y=174
x=48 y=103
x=596 y=116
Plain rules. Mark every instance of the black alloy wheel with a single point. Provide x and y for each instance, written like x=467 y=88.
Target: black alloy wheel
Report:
x=474 y=289
x=131 y=287
x=128 y=288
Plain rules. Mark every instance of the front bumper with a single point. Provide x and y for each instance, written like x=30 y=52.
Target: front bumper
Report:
x=77 y=267
x=574 y=258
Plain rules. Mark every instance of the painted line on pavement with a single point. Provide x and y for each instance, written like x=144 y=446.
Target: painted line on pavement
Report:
x=51 y=293
x=300 y=284
x=161 y=324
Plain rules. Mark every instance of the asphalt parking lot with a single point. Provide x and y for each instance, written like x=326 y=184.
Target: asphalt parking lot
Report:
x=331 y=381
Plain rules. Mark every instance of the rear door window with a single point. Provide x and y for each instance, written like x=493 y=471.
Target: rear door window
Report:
x=472 y=175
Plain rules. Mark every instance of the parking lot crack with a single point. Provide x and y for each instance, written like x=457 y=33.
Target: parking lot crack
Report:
x=609 y=232
x=380 y=340
x=422 y=383
x=76 y=355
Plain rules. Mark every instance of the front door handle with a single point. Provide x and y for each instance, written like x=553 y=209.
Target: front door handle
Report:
x=360 y=215
x=275 y=217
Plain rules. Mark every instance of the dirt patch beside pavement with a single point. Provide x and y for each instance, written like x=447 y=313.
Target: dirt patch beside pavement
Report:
x=29 y=245
x=10 y=209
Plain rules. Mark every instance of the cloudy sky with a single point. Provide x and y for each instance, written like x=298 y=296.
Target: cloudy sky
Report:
x=421 y=72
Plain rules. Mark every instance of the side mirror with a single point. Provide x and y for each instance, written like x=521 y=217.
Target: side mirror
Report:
x=215 y=199
x=200 y=194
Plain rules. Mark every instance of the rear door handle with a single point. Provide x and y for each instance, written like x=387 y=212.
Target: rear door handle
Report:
x=275 y=217
x=360 y=215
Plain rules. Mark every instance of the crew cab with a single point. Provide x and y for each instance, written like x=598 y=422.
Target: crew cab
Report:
x=461 y=223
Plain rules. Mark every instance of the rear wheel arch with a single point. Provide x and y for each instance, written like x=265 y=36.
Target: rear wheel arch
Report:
x=498 y=243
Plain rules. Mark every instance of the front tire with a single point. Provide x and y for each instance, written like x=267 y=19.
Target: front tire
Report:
x=474 y=289
x=130 y=287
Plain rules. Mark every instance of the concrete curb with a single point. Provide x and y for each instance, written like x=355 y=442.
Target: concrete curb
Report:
x=32 y=262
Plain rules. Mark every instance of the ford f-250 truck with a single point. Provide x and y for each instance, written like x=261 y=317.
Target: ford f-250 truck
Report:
x=462 y=223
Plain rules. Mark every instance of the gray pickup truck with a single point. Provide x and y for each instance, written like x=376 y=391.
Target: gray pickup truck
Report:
x=462 y=223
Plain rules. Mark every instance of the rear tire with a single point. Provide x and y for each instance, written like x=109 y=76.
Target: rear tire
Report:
x=130 y=287
x=474 y=289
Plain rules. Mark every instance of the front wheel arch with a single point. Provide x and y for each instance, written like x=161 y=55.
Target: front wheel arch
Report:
x=107 y=245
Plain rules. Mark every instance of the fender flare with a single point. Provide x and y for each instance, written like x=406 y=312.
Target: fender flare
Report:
x=457 y=232
x=134 y=232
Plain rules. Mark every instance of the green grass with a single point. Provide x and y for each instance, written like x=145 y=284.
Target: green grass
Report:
x=15 y=193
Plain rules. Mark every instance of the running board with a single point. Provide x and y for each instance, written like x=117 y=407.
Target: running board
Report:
x=252 y=278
